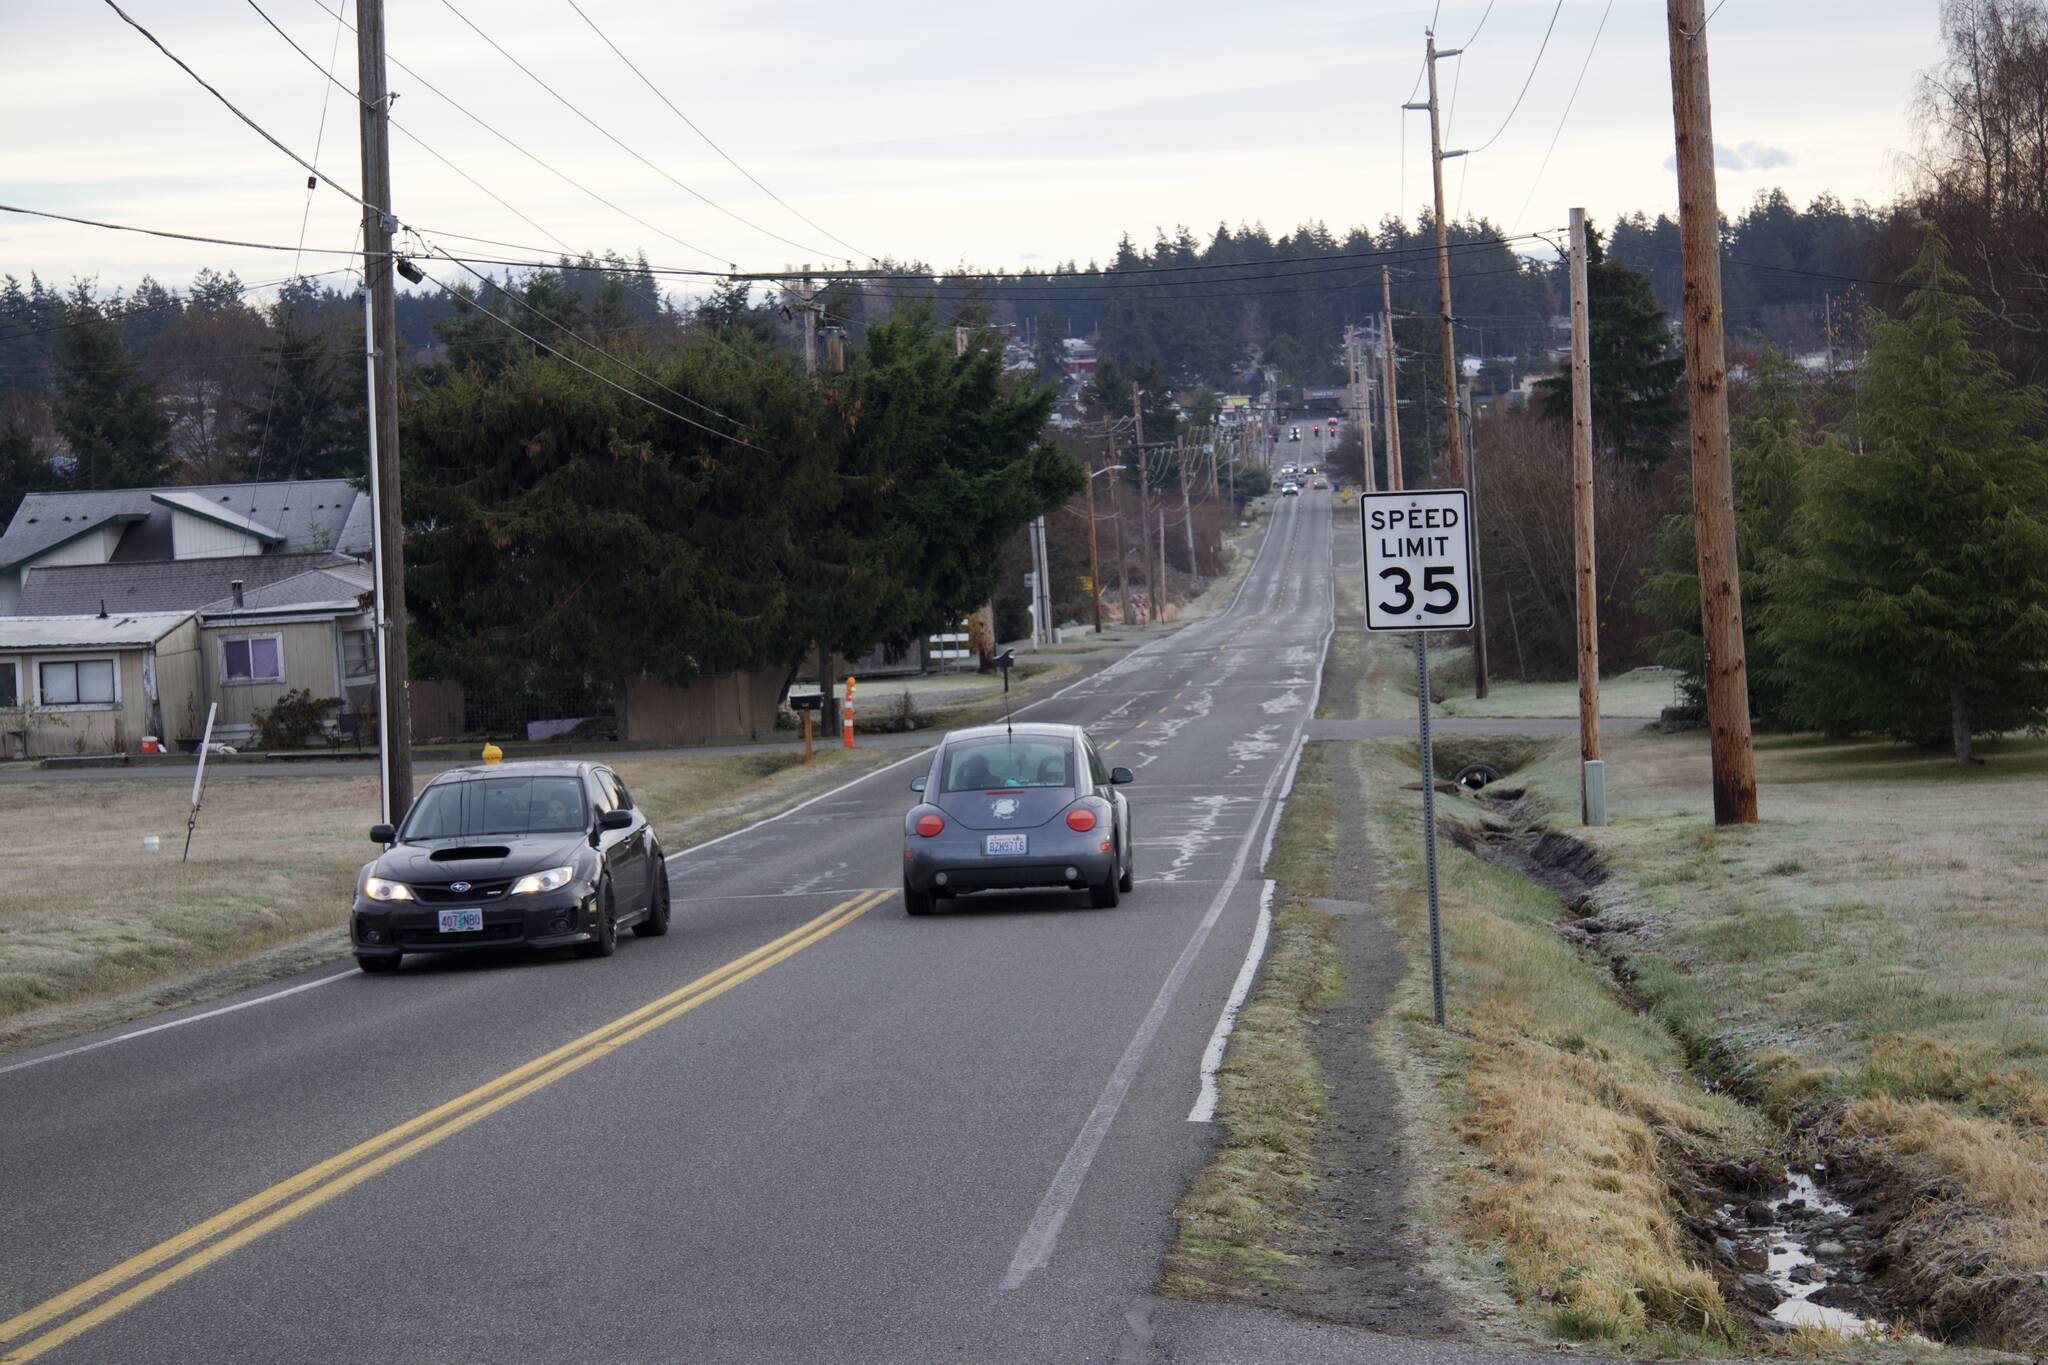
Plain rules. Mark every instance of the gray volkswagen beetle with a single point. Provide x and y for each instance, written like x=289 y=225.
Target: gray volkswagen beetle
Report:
x=1017 y=806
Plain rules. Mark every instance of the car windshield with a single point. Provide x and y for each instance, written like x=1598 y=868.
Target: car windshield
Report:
x=983 y=765
x=497 y=806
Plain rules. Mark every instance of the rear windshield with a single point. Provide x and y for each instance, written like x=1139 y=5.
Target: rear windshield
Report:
x=982 y=765
x=498 y=806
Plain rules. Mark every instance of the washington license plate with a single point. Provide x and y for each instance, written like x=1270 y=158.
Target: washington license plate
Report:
x=1005 y=843
x=461 y=921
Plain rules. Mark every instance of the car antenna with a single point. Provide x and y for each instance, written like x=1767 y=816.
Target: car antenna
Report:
x=1004 y=661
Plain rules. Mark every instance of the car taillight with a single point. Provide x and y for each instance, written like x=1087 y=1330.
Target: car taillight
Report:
x=1081 y=818
x=928 y=825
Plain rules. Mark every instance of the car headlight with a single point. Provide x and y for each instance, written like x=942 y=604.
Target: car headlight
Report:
x=378 y=889
x=533 y=883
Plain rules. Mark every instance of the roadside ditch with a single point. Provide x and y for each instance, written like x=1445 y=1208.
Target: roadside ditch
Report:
x=1800 y=1236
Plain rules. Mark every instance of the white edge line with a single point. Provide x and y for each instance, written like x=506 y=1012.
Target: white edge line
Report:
x=1212 y=1058
x=175 y=1023
x=1035 y=1248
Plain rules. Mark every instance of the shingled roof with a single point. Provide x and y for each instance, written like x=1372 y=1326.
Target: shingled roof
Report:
x=162 y=585
x=307 y=516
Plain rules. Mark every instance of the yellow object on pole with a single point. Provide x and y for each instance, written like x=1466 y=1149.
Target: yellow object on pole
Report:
x=492 y=753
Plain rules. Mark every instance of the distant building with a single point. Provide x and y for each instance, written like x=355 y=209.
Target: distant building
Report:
x=1081 y=358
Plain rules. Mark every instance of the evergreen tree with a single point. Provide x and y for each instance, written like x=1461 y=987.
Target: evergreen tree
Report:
x=22 y=471
x=1772 y=443
x=1916 y=600
x=1636 y=374
x=306 y=428
x=108 y=413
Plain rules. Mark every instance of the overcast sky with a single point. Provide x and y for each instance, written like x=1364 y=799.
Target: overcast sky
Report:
x=990 y=135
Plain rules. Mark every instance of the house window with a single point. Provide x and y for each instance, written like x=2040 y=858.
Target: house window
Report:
x=77 y=682
x=10 y=687
x=358 y=654
x=254 y=658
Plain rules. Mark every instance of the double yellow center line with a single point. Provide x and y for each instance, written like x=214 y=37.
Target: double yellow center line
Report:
x=200 y=1245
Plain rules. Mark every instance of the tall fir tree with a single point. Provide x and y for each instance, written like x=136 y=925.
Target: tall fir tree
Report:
x=107 y=411
x=1915 y=603
x=1772 y=443
x=22 y=471
x=1636 y=373
x=306 y=428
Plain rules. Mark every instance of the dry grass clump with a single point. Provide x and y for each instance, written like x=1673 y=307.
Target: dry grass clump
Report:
x=1972 y=1250
x=1577 y=1201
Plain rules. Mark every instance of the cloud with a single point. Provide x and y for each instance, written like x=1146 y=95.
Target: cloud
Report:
x=1750 y=156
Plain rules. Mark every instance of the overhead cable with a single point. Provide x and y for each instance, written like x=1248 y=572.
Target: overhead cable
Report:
x=692 y=126
x=618 y=142
x=1544 y=165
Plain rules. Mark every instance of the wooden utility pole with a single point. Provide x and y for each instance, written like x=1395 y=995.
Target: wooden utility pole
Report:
x=1453 y=436
x=394 y=730
x=1144 y=500
x=1706 y=374
x=1159 y=598
x=1388 y=390
x=1187 y=516
x=1582 y=515
x=1095 y=564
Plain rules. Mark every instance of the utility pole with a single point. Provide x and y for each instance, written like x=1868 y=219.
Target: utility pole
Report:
x=1582 y=529
x=1094 y=562
x=1706 y=374
x=1158 y=598
x=394 y=726
x=1388 y=390
x=1187 y=516
x=1453 y=444
x=1144 y=502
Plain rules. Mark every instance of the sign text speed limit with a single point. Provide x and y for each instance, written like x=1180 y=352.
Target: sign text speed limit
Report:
x=1418 y=560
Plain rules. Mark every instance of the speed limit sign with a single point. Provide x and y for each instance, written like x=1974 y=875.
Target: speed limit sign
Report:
x=1418 y=559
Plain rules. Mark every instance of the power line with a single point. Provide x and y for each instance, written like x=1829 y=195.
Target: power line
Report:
x=1541 y=48
x=607 y=379
x=1544 y=165
x=561 y=175
x=615 y=140
x=691 y=125
x=305 y=218
x=583 y=341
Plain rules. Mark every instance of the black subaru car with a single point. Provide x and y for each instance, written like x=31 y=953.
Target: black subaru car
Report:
x=545 y=854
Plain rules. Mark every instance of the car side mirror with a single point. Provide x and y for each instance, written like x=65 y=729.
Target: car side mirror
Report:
x=382 y=834
x=1119 y=776
x=917 y=784
x=616 y=818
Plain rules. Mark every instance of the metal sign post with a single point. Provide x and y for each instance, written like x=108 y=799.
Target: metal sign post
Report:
x=199 y=780
x=1418 y=578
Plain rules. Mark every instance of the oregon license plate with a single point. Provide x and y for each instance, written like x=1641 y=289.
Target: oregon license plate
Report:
x=461 y=921
x=1005 y=843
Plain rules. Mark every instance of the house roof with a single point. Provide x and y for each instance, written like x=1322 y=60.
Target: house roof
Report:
x=218 y=513
x=305 y=516
x=339 y=587
x=88 y=632
x=161 y=585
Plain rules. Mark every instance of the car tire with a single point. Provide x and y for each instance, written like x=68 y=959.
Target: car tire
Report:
x=607 y=941
x=378 y=964
x=916 y=902
x=1129 y=880
x=1103 y=895
x=659 y=906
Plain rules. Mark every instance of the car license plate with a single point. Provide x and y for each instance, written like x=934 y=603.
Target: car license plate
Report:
x=461 y=921
x=1005 y=843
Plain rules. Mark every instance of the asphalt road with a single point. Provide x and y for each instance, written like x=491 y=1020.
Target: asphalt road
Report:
x=802 y=1127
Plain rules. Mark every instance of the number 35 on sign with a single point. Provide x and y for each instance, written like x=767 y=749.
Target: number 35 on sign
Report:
x=1418 y=559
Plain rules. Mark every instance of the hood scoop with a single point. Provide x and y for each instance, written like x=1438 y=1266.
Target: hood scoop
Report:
x=473 y=853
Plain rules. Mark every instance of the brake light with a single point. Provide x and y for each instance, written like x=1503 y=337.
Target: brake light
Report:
x=928 y=825
x=1081 y=819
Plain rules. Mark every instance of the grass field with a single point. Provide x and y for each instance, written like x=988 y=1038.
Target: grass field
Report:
x=87 y=916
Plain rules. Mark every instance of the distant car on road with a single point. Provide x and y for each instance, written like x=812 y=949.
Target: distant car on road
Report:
x=1294 y=433
x=1320 y=483
x=1017 y=807
x=541 y=853
x=1290 y=489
